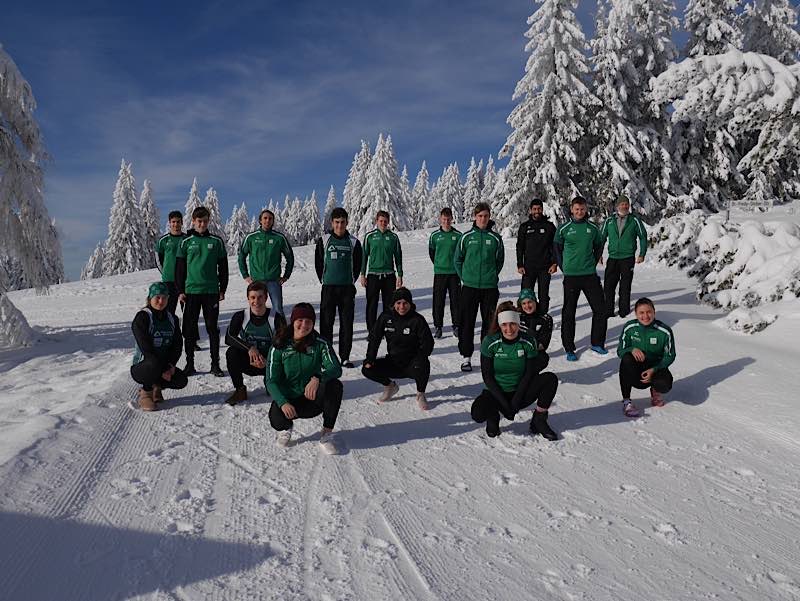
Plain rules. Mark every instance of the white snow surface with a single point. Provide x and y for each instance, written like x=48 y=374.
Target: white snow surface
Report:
x=695 y=500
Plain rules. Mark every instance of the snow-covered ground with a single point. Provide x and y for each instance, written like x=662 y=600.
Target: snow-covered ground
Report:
x=696 y=500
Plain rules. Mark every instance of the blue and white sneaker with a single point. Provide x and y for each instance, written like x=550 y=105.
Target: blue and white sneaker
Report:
x=571 y=356
x=599 y=349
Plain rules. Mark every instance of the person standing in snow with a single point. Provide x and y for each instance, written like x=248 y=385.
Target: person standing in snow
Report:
x=337 y=260
x=302 y=377
x=536 y=262
x=538 y=326
x=478 y=260
x=158 y=348
x=382 y=255
x=441 y=248
x=408 y=344
x=262 y=249
x=578 y=247
x=249 y=337
x=622 y=230
x=511 y=366
x=166 y=254
x=201 y=274
x=646 y=349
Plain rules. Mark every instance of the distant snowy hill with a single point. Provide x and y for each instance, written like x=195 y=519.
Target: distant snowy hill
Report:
x=696 y=500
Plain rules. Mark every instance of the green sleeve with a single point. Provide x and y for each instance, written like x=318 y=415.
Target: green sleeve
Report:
x=331 y=367
x=598 y=239
x=669 y=352
x=398 y=256
x=276 y=377
x=243 y=252
x=642 y=237
x=288 y=254
x=558 y=238
x=365 y=255
x=622 y=345
x=458 y=258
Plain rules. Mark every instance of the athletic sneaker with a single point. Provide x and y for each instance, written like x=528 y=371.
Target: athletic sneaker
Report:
x=600 y=350
x=284 y=438
x=348 y=364
x=540 y=426
x=216 y=370
x=388 y=392
x=455 y=332
x=629 y=409
x=656 y=398
x=158 y=396
x=422 y=402
x=238 y=395
x=189 y=369
x=571 y=356
x=437 y=333
x=492 y=427
x=146 y=402
x=327 y=442
x=466 y=365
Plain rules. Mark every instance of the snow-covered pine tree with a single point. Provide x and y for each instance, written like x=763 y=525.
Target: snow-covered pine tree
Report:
x=237 y=228
x=759 y=196
x=330 y=204
x=489 y=182
x=191 y=204
x=381 y=190
x=406 y=198
x=419 y=196
x=351 y=197
x=311 y=217
x=451 y=193
x=549 y=122
x=26 y=232
x=293 y=221
x=215 y=226
x=254 y=224
x=481 y=174
x=126 y=246
x=472 y=190
x=94 y=266
x=712 y=27
x=435 y=202
x=149 y=213
x=770 y=27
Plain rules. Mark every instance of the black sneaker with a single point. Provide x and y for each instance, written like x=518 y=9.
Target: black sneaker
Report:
x=466 y=365
x=540 y=426
x=216 y=370
x=197 y=346
x=455 y=332
x=348 y=364
x=492 y=427
x=438 y=332
x=189 y=369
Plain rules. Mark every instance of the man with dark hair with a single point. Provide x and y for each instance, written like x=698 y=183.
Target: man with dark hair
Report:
x=201 y=274
x=441 y=248
x=535 y=259
x=337 y=260
x=264 y=248
x=478 y=259
x=166 y=252
x=382 y=255
x=578 y=247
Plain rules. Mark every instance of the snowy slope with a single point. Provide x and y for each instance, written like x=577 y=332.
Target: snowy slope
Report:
x=697 y=500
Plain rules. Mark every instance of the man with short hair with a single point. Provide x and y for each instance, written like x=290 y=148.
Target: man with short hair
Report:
x=535 y=259
x=264 y=248
x=166 y=253
x=382 y=254
x=337 y=260
x=622 y=230
x=201 y=274
x=578 y=247
x=478 y=259
x=441 y=248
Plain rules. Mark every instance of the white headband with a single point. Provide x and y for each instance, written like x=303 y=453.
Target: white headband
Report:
x=508 y=317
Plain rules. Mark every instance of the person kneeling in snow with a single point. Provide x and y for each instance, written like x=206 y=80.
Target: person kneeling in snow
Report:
x=510 y=366
x=158 y=348
x=647 y=348
x=538 y=326
x=409 y=343
x=249 y=337
x=303 y=378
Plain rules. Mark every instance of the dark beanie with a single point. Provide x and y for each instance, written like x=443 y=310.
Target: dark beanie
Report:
x=302 y=311
x=402 y=294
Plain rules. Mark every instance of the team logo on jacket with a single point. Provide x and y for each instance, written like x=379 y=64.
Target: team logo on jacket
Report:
x=406 y=330
x=488 y=242
x=210 y=245
x=272 y=241
x=588 y=230
x=520 y=352
x=541 y=230
x=653 y=341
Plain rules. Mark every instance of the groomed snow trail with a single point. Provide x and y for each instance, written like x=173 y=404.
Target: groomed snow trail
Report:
x=696 y=500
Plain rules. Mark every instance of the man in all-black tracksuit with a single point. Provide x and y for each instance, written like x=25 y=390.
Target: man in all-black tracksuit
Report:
x=536 y=261
x=408 y=344
x=337 y=260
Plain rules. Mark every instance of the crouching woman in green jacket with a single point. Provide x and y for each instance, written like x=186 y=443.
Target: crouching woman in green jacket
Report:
x=302 y=378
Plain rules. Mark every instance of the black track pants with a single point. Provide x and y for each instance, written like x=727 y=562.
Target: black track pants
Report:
x=238 y=363
x=618 y=271
x=383 y=285
x=148 y=374
x=471 y=300
x=541 y=391
x=591 y=288
x=386 y=369
x=328 y=401
x=342 y=299
x=209 y=304
x=444 y=284
x=630 y=376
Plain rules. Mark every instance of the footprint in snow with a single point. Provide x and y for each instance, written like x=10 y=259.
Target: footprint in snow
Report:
x=628 y=489
x=506 y=478
x=668 y=533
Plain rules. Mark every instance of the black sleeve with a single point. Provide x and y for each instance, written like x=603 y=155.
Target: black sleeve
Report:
x=177 y=345
x=551 y=235
x=521 y=246
x=545 y=333
x=425 y=337
x=180 y=274
x=487 y=371
x=531 y=370
x=319 y=259
x=374 y=339
x=222 y=273
x=357 y=258
x=141 y=332
x=233 y=331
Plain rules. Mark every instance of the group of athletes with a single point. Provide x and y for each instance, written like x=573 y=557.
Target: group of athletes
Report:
x=300 y=368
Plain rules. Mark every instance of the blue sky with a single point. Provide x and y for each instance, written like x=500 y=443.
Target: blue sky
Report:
x=257 y=99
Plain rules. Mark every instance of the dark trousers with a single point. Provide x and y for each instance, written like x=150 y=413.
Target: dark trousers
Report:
x=342 y=299
x=630 y=376
x=471 y=300
x=172 y=304
x=541 y=391
x=444 y=284
x=148 y=374
x=209 y=304
x=542 y=279
x=382 y=284
x=328 y=401
x=238 y=362
x=618 y=271
x=383 y=370
x=591 y=288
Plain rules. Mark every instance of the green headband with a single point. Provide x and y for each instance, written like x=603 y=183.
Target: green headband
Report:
x=156 y=289
x=527 y=293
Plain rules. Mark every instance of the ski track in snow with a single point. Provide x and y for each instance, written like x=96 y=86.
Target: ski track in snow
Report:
x=696 y=500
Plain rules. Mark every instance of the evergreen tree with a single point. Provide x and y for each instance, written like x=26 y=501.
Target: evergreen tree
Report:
x=330 y=204
x=406 y=198
x=125 y=247
x=311 y=219
x=94 y=266
x=351 y=197
x=770 y=27
x=489 y=182
x=211 y=202
x=237 y=228
x=549 y=122
x=254 y=224
x=191 y=204
x=435 y=202
x=420 y=195
x=149 y=213
x=472 y=191
x=381 y=190
x=712 y=27
x=451 y=191
x=759 y=195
